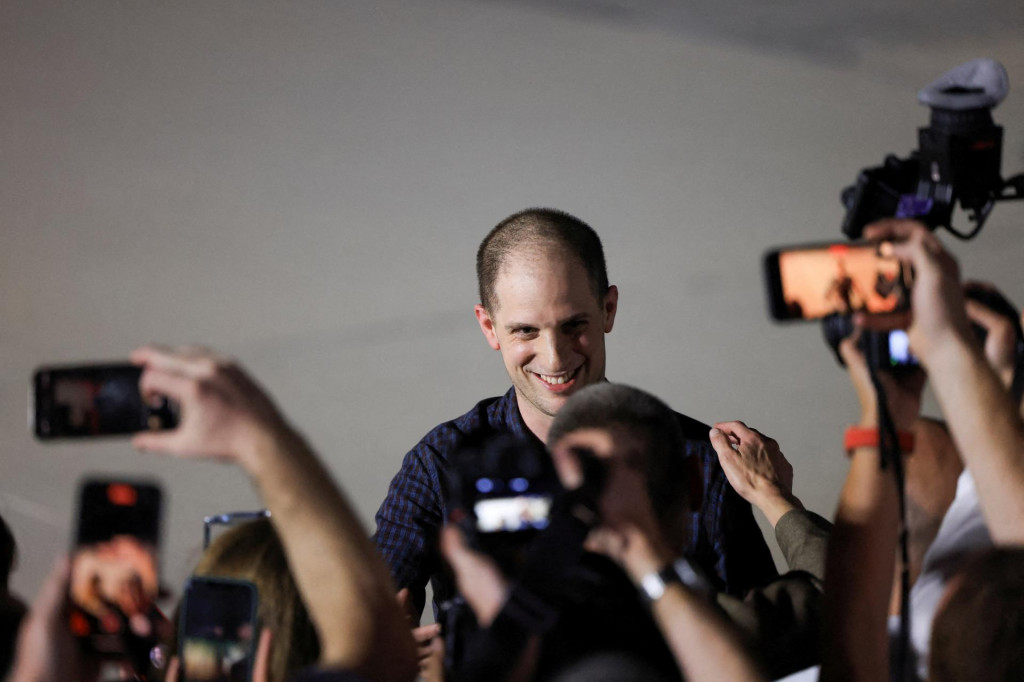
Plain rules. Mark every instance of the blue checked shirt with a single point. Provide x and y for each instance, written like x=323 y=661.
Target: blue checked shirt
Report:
x=724 y=539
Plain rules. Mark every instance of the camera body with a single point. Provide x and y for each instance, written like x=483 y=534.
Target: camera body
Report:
x=501 y=489
x=958 y=158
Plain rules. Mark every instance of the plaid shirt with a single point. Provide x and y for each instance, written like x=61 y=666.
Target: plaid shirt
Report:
x=724 y=539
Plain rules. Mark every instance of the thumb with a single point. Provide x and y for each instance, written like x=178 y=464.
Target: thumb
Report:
x=720 y=442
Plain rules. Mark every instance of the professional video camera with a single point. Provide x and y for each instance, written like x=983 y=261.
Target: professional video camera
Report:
x=958 y=159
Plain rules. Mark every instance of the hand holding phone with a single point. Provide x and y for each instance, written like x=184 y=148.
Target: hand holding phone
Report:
x=114 y=569
x=94 y=400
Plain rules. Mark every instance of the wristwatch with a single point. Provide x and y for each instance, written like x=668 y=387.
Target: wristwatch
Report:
x=679 y=571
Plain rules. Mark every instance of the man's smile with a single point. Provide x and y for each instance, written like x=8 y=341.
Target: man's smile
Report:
x=557 y=382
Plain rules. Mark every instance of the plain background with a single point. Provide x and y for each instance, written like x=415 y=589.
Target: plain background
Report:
x=303 y=185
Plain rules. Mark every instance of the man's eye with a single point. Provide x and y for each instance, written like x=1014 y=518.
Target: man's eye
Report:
x=523 y=331
x=575 y=326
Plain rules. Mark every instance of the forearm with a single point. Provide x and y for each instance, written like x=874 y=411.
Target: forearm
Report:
x=859 y=573
x=345 y=585
x=700 y=639
x=987 y=431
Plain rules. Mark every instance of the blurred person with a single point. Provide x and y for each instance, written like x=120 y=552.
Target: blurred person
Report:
x=344 y=585
x=252 y=551
x=545 y=306
x=985 y=425
x=979 y=631
x=12 y=609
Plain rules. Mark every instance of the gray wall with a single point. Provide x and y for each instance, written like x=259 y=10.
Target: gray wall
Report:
x=303 y=186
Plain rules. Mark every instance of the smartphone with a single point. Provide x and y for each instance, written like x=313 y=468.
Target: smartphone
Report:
x=94 y=400
x=809 y=282
x=115 y=568
x=217 y=637
x=889 y=350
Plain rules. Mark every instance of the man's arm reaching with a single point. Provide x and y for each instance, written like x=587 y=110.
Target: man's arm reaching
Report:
x=346 y=588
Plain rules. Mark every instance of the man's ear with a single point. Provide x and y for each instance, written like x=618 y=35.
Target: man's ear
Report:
x=487 y=326
x=611 y=305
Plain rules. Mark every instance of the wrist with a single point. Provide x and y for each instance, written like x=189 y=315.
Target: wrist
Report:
x=262 y=442
x=774 y=507
x=642 y=556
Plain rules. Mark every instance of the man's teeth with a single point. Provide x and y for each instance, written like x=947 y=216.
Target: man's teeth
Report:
x=561 y=379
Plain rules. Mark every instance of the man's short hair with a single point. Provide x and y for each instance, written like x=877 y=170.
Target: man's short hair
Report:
x=609 y=406
x=545 y=228
x=978 y=632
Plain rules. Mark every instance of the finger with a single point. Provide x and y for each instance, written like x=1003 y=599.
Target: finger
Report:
x=737 y=429
x=173 y=668
x=986 y=317
x=453 y=546
x=719 y=440
x=849 y=350
x=261 y=664
x=160 y=382
x=189 y=361
x=169 y=442
x=894 y=229
x=425 y=633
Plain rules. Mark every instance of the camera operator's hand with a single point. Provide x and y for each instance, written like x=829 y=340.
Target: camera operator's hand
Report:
x=903 y=394
x=937 y=314
x=756 y=468
x=480 y=580
x=1001 y=333
x=224 y=413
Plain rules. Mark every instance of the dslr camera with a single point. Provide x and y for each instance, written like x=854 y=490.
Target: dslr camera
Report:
x=957 y=160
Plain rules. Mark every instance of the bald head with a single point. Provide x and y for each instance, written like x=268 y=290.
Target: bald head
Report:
x=539 y=233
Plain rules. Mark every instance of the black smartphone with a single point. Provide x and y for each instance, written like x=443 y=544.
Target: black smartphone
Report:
x=217 y=631
x=889 y=350
x=94 y=400
x=115 y=568
x=812 y=281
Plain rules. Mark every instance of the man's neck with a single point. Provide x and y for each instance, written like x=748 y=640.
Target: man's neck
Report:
x=535 y=420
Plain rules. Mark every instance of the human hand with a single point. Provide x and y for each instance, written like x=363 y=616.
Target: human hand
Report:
x=1001 y=331
x=224 y=414
x=429 y=651
x=46 y=650
x=756 y=468
x=903 y=394
x=938 y=314
x=479 y=579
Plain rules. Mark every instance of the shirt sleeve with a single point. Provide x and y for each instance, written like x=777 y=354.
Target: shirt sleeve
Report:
x=408 y=521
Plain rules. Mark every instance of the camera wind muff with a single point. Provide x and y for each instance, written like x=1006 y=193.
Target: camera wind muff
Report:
x=957 y=161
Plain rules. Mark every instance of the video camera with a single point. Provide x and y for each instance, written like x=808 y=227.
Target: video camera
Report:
x=958 y=159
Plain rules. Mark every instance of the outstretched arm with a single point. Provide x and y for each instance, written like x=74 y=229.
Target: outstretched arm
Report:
x=225 y=415
x=984 y=422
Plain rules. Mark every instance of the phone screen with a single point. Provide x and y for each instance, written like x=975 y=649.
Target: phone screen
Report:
x=94 y=400
x=114 y=568
x=811 y=282
x=512 y=514
x=218 y=630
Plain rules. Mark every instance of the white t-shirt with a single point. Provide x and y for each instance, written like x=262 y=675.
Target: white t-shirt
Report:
x=963 y=531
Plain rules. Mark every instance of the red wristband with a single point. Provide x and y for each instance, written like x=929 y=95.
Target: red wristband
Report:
x=859 y=437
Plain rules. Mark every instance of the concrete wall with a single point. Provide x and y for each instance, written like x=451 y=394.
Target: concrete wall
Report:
x=303 y=186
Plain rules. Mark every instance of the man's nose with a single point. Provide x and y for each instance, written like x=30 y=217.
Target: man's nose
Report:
x=555 y=351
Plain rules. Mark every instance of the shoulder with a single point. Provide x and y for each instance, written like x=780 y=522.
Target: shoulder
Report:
x=490 y=414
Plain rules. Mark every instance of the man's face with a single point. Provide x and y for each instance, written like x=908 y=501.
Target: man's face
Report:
x=549 y=327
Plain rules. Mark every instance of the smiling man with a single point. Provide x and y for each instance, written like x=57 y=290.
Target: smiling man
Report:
x=546 y=305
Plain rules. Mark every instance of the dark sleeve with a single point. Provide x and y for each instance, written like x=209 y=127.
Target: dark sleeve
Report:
x=408 y=521
x=781 y=621
x=743 y=559
x=803 y=538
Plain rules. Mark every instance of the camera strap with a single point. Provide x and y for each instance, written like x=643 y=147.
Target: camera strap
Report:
x=903 y=667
